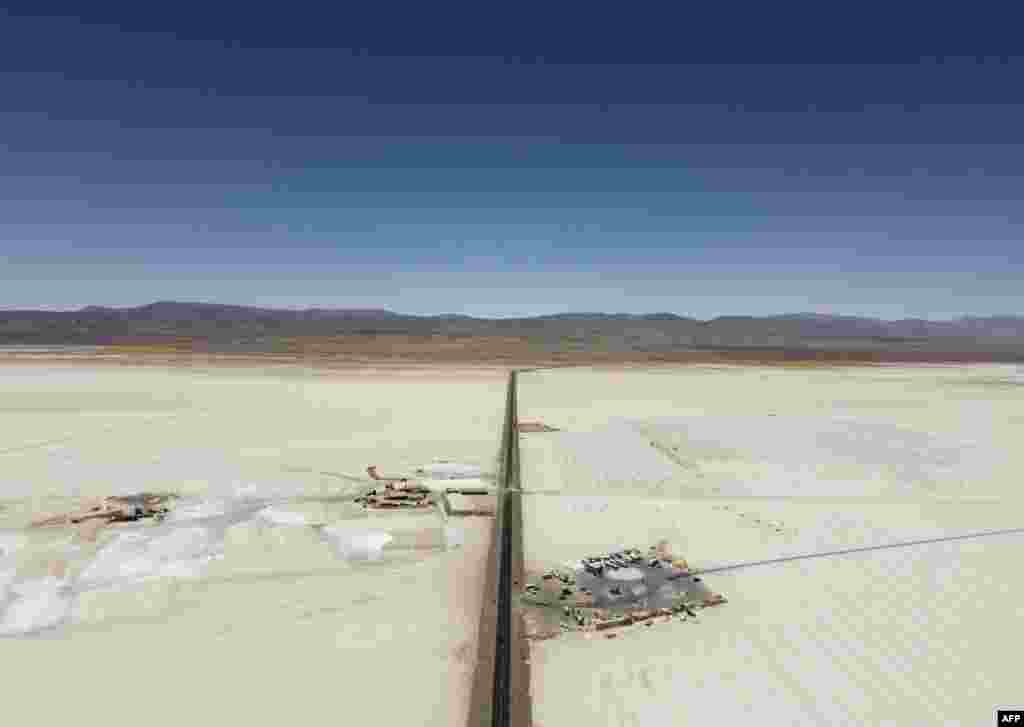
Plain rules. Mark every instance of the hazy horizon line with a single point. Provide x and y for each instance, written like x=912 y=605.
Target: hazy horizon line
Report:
x=297 y=309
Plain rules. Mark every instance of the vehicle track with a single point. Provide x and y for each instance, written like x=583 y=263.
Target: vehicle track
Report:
x=860 y=549
x=65 y=439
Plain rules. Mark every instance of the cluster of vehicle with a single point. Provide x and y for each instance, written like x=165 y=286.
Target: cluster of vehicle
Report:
x=630 y=557
x=390 y=497
x=115 y=509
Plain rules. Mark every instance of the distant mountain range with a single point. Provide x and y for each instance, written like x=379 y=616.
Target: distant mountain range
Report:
x=250 y=327
x=175 y=311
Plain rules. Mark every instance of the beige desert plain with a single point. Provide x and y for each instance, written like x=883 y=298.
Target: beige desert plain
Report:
x=731 y=464
x=735 y=465
x=279 y=629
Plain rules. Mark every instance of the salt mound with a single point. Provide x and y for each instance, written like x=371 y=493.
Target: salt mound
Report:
x=7 y=577
x=1015 y=377
x=10 y=543
x=135 y=556
x=454 y=537
x=216 y=511
x=276 y=489
x=197 y=510
x=443 y=470
x=34 y=605
x=351 y=544
x=191 y=538
x=444 y=483
x=283 y=517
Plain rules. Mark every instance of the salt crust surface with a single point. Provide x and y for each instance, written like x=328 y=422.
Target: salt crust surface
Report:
x=232 y=591
x=745 y=464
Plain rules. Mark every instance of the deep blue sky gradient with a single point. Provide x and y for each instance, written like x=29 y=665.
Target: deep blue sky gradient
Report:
x=451 y=163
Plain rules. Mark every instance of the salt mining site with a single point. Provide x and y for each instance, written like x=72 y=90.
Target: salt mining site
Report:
x=613 y=592
x=265 y=564
x=863 y=524
x=827 y=546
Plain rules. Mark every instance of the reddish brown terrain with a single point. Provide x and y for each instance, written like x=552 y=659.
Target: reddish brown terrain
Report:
x=498 y=351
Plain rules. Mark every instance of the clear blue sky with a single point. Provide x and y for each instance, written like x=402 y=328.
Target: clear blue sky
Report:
x=346 y=162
